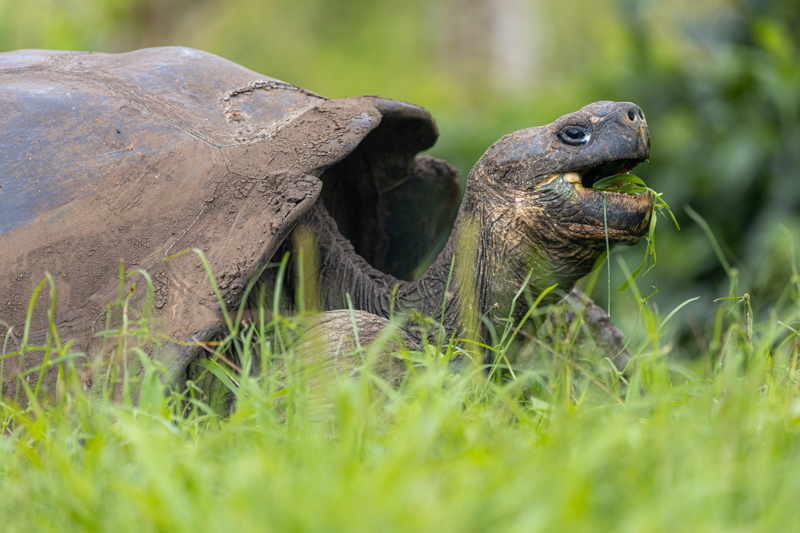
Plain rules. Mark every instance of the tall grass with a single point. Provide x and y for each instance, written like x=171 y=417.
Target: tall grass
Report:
x=542 y=436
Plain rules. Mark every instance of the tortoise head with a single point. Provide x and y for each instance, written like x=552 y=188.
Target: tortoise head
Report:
x=533 y=188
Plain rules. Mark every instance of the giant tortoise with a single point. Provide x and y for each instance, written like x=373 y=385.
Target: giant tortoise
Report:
x=136 y=156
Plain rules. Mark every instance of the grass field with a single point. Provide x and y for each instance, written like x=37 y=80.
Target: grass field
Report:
x=555 y=442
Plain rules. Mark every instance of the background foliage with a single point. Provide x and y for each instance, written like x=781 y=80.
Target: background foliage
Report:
x=718 y=79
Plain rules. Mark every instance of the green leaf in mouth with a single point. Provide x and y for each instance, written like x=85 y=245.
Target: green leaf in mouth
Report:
x=619 y=182
x=630 y=184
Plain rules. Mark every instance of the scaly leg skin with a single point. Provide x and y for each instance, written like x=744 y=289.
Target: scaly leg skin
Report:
x=324 y=355
x=341 y=343
x=597 y=326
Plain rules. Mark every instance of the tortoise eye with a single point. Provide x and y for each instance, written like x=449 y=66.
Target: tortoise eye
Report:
x=575 y=135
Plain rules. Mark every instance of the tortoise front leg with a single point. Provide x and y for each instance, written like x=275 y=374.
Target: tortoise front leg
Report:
x=597 y=326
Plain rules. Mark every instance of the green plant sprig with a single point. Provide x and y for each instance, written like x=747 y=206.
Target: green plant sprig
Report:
x=630 y=184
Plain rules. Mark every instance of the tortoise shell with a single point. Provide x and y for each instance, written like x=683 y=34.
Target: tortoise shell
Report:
x=133 y=157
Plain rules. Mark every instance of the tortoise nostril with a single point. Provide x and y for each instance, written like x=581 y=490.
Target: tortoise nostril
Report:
x=631 y=115
x=641 y=114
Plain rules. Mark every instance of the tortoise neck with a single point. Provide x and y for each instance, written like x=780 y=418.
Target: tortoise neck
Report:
x=486 y=261
x=454 y=290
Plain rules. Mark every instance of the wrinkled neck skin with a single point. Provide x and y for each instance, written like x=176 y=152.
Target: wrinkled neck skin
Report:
x=500 y=236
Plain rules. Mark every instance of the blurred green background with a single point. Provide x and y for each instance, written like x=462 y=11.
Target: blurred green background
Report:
x=719 y=81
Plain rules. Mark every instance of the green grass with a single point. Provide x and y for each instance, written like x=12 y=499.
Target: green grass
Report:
x=562 y=443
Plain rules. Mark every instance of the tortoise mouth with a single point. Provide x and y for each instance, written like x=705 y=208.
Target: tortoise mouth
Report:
x=623 y=217
x=594 y=173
